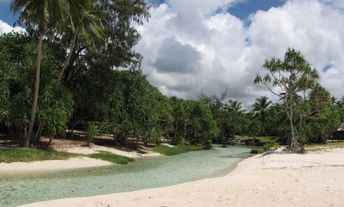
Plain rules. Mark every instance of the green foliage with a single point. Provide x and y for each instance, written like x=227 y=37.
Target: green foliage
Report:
x=193 y=121
x=16 y=63
x=260 y=107
x=55 y=109
x=107 y=156
x=55 y=106
x=323 y=116
x=120 y=31
x=339 y=105
x=92 y=130
x=165 y=150
x=271 y=146
x=202 y=126
x=32 y=154
x=292 y=76
x=181 y=140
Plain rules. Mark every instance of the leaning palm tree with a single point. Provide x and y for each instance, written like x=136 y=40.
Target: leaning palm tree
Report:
x=41 y=16
x=260 y=107
x=85 y=24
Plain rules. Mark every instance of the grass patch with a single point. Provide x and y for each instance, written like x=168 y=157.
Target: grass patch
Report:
x=32 y=154
x=107 y=156
x=318 y=147
x=268 y=140
x=165 y=150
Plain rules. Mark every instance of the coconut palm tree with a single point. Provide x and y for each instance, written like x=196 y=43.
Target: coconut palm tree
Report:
x=40 y=15
x=261 y=106
x=85 y=23
x=234 y=106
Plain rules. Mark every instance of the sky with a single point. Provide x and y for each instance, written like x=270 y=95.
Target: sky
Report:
x=194 y=47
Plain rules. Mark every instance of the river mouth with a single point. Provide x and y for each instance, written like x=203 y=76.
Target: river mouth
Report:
x=150 y=172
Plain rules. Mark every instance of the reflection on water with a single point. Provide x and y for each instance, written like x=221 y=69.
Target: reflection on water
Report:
x=143 y=173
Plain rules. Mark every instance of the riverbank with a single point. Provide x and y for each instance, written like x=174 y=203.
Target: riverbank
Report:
x=277 y=179
x=66 y=155
x=52 y=165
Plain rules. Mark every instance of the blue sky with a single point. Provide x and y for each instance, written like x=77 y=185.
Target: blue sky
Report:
x=5 y=13
x=244 y=9
x=241 y=10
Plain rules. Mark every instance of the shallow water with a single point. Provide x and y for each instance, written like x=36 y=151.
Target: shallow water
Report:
x=143 y=173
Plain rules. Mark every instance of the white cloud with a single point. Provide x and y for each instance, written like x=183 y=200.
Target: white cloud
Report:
x=212 y=51
x=335 y=3
x=5 y=28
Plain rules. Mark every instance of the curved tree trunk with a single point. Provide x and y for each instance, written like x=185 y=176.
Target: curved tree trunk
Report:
x=36 y=90
x=69 y=56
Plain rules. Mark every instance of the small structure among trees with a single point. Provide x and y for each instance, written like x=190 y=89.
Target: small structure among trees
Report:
x=339 y=134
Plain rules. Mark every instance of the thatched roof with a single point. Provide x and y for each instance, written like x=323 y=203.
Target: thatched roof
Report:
x=341 y=127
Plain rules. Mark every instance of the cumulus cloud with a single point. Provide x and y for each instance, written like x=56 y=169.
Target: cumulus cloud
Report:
x=175 y=57
x=194 y=47
x=336 y=3
x=5 y=28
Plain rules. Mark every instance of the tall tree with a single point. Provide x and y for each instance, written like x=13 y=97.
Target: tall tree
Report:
x=260 y=107
x=85 y=23
x=41 y=16
x=289 y=77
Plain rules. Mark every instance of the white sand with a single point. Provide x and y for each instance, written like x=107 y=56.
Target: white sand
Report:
x=314 y=180
x=97 y=148
x=73 y=163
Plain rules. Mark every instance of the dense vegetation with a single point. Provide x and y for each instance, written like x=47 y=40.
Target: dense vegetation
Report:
x=75 y=68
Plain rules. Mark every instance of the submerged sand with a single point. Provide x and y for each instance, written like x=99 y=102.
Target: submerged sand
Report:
x=277 y=179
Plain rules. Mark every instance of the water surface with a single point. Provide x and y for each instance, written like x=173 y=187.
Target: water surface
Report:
x=143 y=173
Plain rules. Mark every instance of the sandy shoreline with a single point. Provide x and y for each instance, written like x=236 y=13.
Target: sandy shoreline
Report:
x=313 y=179
x=51 y=165
x=72 y=163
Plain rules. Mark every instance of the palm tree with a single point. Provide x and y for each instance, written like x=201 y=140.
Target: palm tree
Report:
x=41 y=15
x=234 y=106
x=261 y=106
x=85 y=23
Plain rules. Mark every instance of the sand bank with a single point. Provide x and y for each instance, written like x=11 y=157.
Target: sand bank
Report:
x=49 y=165
x=95 y=149
x=313 y=179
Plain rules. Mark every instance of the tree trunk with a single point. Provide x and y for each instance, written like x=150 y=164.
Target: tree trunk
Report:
x=36 y=90
x=185 y=130
x=88 y=139
x=69 y=56
x=39 y=131
x=50 y=140
x=175 y=131
x=293 y=141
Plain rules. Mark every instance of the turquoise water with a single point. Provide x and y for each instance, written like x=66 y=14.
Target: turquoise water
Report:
x=144 y=173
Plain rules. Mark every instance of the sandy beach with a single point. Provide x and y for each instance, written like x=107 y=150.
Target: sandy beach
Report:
x=277 y=179
x=72 y=163
x=49 y=165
